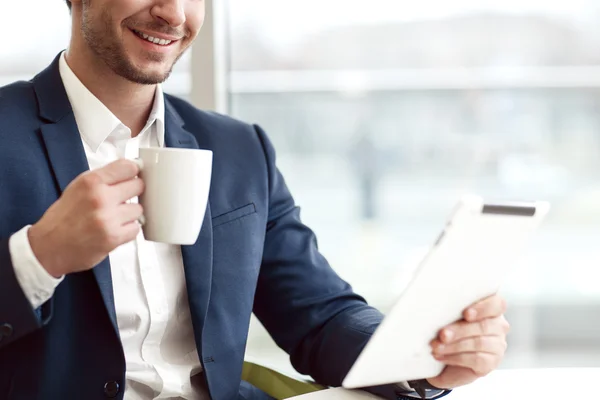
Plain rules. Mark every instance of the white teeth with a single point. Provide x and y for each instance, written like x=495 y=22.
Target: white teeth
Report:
x=162 y=42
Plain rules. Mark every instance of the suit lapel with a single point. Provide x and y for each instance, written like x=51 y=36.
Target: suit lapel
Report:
x=67 y=155
x=197 y=258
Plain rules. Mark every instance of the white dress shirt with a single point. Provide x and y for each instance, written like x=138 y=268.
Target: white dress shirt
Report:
x=153 y=314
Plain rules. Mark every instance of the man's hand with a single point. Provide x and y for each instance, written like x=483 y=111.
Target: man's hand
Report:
x=89 y=220
x=473 y=347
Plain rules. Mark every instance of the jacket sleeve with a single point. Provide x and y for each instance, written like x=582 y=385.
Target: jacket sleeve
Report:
x=17 y=316
x=306 y=307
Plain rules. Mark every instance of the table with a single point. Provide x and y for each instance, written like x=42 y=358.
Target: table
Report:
x=534 y=384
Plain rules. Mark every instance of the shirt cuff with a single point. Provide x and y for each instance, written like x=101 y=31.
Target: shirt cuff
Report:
x=429 y=395
x=37 y=284
x=404 y=386
x=405 y=390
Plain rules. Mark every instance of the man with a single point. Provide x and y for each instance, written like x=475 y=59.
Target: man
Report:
x=89 y=309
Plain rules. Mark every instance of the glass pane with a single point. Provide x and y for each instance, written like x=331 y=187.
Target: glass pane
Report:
x=384 y=113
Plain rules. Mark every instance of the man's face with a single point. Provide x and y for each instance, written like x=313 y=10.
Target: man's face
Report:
x=141 y=40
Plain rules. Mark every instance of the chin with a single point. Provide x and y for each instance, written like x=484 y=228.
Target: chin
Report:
x=145 y=78
x=146 y=73
x=158 y=71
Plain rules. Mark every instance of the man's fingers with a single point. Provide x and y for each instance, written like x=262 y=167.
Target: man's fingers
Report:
x=473 y=347
x=480 y=363
x=117 y=171
x=493 y=306
x=128 y=213
x=126 y=190
x=129 y=232
x=483 y=344
x=462 y=330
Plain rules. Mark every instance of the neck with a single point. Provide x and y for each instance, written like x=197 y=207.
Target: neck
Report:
x=130 y=102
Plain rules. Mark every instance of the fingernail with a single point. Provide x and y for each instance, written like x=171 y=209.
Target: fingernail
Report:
x=440 y=348
x=471 y=314
x=448 y=334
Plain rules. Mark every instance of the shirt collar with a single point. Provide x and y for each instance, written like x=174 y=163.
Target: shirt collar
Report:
x=94 y=120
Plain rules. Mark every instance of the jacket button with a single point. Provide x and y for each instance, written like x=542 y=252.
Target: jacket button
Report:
x=111 y=389
x=6 y=330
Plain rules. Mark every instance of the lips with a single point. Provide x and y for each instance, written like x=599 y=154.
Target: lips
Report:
x=152 y=39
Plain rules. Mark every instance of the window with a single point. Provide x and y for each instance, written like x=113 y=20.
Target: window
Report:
x=384 y=113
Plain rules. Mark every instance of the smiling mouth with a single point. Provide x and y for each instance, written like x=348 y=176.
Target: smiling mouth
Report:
x=151 y=39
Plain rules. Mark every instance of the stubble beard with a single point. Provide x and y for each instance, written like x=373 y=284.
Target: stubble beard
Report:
x=103 y=42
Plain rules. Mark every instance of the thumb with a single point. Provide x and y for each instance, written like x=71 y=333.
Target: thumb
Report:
x=453 y=377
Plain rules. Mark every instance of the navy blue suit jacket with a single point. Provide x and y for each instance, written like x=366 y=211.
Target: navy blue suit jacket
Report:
x=253 y=255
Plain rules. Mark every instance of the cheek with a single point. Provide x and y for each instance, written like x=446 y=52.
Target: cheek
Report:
x=195 y=14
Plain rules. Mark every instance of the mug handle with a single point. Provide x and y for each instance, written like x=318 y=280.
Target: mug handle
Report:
x=140 y=164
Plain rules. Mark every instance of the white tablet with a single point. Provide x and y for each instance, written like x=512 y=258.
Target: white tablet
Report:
x=468 y=262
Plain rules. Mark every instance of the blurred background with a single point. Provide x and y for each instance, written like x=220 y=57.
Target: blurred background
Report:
x=385 y=112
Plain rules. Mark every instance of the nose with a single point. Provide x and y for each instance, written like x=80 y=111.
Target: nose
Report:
x=170 y=11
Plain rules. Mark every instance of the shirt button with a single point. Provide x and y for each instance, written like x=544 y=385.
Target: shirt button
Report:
x=6 y=330
x=111 y=389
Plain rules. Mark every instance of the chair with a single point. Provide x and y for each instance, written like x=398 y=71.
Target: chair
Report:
x=276 y=384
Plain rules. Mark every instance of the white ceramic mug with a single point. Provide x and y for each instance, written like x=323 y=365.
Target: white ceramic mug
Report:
x=177 y=185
